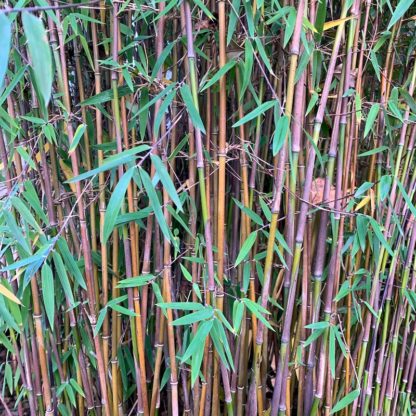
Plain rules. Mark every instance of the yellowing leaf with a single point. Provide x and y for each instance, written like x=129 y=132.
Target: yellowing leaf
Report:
x=68 y=174
x=363 y=202
x=9 y=295
x=337 y=22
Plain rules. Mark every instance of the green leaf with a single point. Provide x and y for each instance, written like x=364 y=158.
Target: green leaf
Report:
x=40 y=54
x=251 y=214
x=154 y=202
x=222 y=71
x=5 y=38
x=373 y=151
x=26 y=157
x=320 y=19
x=48 y=293
x=401 y=9
x=166 y=180
x=190 y=106
x=312 y=102
x=372 y=114
x=135 y=281
x=246 y=247
x=385 y=185
x=318 y=325
x=313 y=337
x=77 y=137
x=380 y=236
x=76 y=387
x=233 y=19
x=374 y=62
x=363 y=189
x=100 y=321
x=161 y=59
x=162 y=111
x=289 y=26
x=182 y=306
x=194 y=317
x=257 y=310
x=123 y=310
x=63 y=277
x=198 y=341
x=256 y=112
x=280 y=134
x=345 y=401
x=114 y=205
x=108 y=95
x=111 y=162
x=238 y=315
x=406 y=198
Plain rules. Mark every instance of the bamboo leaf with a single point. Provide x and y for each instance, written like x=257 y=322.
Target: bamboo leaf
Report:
x=406 y=198
x=246 y=247
x=345 y=401
x=63 y=277
x=198 y=341
x=399 y=12
x=318 y=325
x=320 y=19
x=380 y=236
x=48 y=293
x=372 y=114
x=256 y=112
x=182 y=306
x=115 y=203
x=238 y=315
x=111 y=162
x=251 y=214
x=9 y=295
x=5 y=39
x=190 y=106
x=373 y=151
x=280 y=134
x=77 y=137
x=166 y=180
x=162 y=111
x=135 y=281
x=162 y=58
x=154 y=202
x=194 y=317
x=222 y=71
x=40 y=54
x=335 y=23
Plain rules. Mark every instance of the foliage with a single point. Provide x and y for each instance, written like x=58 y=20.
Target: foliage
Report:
x=207 y=207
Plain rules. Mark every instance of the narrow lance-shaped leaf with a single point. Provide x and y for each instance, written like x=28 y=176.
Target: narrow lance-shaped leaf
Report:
x=372 y=114
x=219 y=74
x=77 y=137
x=48 y=292
x=166 y=180
x=112 y=162
x=282 y=128
x=261 y=109
x=190 y=106
x=40 y=54
x=9 y=294
x=155 y=203
x=114 y=205
x=400 y=10
x=345 y=401
x=5 y=37
x=246 y=247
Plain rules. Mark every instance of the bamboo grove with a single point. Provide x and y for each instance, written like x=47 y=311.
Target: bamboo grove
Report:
x=207 y=207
